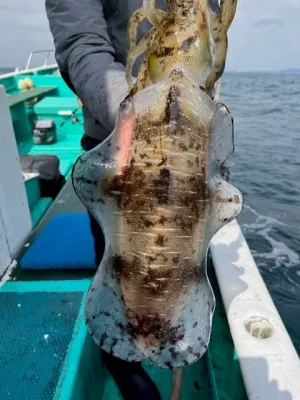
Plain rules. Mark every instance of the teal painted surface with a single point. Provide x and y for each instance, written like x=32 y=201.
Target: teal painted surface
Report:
x=49 y=80
x=39 y=210
x=33 y=193
x=215 y=376
x=65 y=145
x=25 y=95
x=83 y=375
x=80 y=285
x=222 y=362
x=196 y=384
x=67 y=148
x=21 y=123
x=9 y=84
x=51 y=105
x=65 y=166
x=36 y=330
x=91 y=375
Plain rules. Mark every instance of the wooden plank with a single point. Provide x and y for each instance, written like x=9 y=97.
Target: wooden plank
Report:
x=28 y=94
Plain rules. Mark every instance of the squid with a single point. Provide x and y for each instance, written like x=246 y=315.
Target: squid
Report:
x=155 y=187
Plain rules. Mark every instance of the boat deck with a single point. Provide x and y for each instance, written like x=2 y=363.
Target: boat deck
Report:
x=45 y=349
x=216 y=374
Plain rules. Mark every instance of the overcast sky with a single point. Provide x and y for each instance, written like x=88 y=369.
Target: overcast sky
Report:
x=265 y=34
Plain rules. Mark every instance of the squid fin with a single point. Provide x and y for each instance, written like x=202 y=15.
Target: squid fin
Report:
x=105 y=315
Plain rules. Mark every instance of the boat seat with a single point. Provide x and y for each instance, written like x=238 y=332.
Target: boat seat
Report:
x=28 y=94
x=56 y=106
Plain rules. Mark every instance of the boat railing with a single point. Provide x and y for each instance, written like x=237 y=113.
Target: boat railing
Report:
x=28 y=68
x=46 y=59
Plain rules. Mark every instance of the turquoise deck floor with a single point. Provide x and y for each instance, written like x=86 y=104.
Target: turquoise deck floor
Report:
x=35 y=332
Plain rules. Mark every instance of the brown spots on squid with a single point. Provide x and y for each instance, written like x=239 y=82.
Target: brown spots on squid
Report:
x=204 y=22
x=174 y=353
x=124 y=186
x=155 y=329
x=184 y=224
x=162 y=220
x=172 y=109
x=190 y=272
x=165 y=52
x=163 y=161
x=186 y=44
x=234 y=199
x=175 y=259
x=183 y=147
x=125 y=268
x=156 y=281
x=110 y=184
x=162 y=184
x=176 y=72
x=160 y=240
x=147 y=223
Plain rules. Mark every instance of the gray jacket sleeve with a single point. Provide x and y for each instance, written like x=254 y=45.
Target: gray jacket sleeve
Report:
x=84 y=51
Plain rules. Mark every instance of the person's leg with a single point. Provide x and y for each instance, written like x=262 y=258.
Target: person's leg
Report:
x=88 y=143
x=132 y=380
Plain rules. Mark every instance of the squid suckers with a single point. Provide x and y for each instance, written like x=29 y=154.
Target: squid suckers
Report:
x=155 y=187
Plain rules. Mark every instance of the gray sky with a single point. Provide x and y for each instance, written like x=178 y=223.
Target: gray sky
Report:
x=265 y=34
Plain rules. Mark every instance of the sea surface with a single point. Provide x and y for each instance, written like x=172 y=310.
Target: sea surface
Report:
x=6 y=70
x=266 y=168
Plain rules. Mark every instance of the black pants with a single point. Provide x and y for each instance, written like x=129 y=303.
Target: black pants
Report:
x=99 y=241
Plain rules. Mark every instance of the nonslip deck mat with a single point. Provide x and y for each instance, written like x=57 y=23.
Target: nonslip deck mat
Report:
x=35 y=332
x=65 y=243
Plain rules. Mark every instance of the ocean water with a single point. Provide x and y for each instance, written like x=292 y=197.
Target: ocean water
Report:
x=6 y=70
x=266 y=168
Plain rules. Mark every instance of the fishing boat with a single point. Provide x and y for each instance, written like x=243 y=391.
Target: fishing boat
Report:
x=46 y=267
